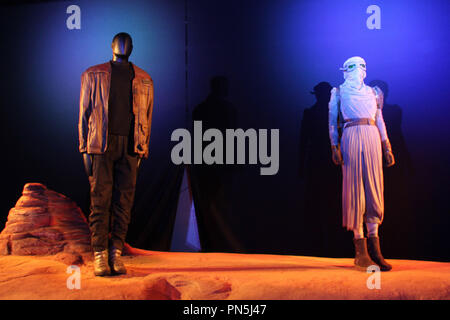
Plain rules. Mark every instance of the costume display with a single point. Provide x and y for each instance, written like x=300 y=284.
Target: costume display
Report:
x=355 y=109
x=116 y=104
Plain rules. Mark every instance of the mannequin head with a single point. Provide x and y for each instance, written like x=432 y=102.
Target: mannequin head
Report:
x=122 y=45
x=354 y=70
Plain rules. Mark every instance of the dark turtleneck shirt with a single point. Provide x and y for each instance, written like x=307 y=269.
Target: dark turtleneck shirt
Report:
x=120 y=103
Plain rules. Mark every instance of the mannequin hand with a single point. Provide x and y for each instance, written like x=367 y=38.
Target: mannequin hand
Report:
x=388 y=155
x=87 y=160
x=337 y=155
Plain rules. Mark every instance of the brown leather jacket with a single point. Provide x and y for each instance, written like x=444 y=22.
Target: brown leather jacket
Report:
x=93 y=119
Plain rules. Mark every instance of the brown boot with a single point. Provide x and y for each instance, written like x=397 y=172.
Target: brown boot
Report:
x=115 y=261
x=362 y=258
x=101 y=267
x=375 y=253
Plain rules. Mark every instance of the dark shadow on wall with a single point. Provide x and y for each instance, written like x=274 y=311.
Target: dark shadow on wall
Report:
x=399 y=224
x=212 y=184
x=322 y=205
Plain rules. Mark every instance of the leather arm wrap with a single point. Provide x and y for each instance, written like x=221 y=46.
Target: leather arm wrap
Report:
x=386 y=145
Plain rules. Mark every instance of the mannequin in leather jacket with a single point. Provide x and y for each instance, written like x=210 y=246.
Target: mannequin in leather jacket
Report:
x=113 y=146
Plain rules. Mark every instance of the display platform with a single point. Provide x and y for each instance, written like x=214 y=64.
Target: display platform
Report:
x=218 y=276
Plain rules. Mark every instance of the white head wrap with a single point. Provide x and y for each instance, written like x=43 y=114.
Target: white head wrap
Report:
x=354 y=70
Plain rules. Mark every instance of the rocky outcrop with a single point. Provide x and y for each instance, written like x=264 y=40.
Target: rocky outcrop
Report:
x=44 y=222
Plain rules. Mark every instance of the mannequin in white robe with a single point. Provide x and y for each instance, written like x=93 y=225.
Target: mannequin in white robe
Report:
x=357 y=109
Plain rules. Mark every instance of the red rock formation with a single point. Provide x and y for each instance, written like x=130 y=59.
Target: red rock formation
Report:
x=44 y=222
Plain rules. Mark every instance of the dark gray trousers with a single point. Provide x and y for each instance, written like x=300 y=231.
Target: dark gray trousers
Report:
x=112 y=184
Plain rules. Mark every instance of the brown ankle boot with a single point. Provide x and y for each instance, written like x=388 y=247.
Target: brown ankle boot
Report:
x=101 y=267
x=375 y=253
x=362 y=258
x=115 y=261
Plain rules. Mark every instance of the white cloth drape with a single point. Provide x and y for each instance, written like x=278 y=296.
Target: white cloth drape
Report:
x=362 y=185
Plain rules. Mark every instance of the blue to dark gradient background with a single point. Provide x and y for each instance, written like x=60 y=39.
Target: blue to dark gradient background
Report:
x=273 y=53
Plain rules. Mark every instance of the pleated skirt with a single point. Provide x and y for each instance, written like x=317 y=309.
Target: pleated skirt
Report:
x=362 y=176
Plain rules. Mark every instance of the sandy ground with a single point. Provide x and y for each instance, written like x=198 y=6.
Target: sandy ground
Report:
x=173 y=275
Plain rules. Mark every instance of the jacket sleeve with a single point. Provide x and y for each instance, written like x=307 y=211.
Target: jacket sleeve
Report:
x=149 y=117
x=379 y=121
x=333 y=112
x=85 y=112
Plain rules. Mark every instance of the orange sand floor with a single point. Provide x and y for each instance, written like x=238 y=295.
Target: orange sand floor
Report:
x=174 y=275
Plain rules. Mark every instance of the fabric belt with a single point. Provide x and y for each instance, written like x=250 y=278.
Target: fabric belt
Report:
x=358 y=122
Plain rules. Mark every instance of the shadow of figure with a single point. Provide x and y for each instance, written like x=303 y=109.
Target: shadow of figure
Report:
x=397 y=180
x=212 y=184
x=322 y=223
